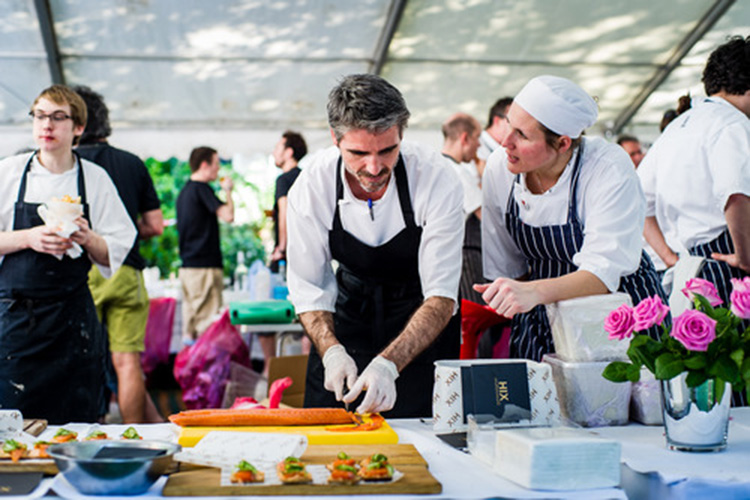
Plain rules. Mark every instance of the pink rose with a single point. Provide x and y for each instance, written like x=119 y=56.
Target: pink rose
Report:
x=619 y=323
x=740 y=297
x=702 y=287
x=694 y=329
x=651 y=311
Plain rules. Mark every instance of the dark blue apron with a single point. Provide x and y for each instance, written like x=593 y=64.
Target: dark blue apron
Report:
x=51 y=343
x=378 y=291
x=720 y=274
x=549 y=251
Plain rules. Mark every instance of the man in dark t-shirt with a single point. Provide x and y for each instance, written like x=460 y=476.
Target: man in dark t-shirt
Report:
x=290 y=149
x=121 y=301
x=198 y=214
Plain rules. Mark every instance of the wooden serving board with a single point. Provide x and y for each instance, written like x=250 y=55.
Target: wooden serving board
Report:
x=34 y=426
x=44 y=465
x=316 y=434
x=416 y=479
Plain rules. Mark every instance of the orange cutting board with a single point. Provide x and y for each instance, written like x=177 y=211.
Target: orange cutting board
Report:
x=316 y=434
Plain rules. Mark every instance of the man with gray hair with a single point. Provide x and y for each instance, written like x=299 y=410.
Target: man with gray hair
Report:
x=390 y=213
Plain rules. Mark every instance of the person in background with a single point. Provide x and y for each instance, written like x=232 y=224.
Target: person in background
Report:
x=632 y=147
x=287 y=153
x=562 y=215
x=52 y=346
x=198 y=214
x=496 y=130
x=121 y=301
x=696 y=176
x=390 y=213
x=460 y=142
x=683 y=104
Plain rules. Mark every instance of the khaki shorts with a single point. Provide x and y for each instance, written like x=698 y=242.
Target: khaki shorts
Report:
x=122 y=305
x=201 y=298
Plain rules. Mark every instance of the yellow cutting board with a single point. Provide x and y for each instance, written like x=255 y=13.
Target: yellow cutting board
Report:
x=316 y=434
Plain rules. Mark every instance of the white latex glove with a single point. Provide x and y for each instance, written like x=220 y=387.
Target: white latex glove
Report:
x=379 y=380
x=339 y=368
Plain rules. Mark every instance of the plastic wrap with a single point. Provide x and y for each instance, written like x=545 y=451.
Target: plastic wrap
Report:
x=646 y=401
x=578 y=328
x=202 y=370
x=587 y=398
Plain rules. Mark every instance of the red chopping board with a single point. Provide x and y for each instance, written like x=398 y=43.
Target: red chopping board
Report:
x=316 y=434
x=416 y=479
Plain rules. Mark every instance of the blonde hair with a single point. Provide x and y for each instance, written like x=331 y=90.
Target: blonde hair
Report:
x=62 y=94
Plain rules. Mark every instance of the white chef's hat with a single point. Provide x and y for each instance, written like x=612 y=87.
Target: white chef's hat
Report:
x=558 y=104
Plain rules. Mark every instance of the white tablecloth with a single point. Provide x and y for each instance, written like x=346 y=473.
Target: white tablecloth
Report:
x=687 y=475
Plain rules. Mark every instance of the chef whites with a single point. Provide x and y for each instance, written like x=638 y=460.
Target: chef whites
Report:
x=408 y=250
x=573 y=213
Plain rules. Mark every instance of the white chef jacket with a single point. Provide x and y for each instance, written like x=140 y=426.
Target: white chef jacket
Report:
x=469 y=177
x=610 y=206
x=108 y=217
x=436 y=198
x=487 y=145
x=688 y=175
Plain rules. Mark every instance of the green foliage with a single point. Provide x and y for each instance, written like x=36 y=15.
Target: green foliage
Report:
x=163 y=252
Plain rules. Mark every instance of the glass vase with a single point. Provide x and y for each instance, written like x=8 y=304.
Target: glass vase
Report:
x=694 y=417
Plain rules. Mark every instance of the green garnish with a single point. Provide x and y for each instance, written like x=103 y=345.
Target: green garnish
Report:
x=389 y=468
x=96 y=434
x=289 y=460
x=131 y=433
x=379 y=457
x=11 y=445
x=246 y=466
x=342 y=456
x=65 y=432
x=347 y=468
x=293 y=467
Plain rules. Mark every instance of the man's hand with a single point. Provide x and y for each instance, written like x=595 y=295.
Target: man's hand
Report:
x=339 y=368
x=44 y=240
x=379 y=380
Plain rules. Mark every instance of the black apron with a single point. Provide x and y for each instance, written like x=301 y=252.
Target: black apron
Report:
x=51 y=343
x=549 y=251
x=378 y=291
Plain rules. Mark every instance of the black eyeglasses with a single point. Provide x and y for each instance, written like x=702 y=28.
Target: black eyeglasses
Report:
x=57 y=116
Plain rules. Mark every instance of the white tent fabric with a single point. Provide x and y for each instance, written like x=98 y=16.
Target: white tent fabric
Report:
x=236 y=69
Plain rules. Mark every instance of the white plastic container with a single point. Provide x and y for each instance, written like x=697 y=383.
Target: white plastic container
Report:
x=587 y=398
x=577 y=327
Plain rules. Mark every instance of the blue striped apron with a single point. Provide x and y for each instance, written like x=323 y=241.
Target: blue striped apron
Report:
x=720 y=274
x=549 y=251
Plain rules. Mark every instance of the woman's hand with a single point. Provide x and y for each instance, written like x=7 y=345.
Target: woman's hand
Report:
x=44 y=240
x=509 y=297
x=84 y=234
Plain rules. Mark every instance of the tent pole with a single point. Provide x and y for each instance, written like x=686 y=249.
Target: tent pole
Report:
x=47 y=28
x=701 y=28
x=395 y=11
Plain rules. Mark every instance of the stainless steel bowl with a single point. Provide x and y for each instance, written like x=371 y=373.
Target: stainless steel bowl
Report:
x=94 y=475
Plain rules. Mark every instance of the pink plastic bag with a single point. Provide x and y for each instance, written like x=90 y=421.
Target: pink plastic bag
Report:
x=158 y=333
x=202 y=370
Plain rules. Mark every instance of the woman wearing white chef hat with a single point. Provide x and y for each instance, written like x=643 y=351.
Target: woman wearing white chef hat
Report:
x=562 y=214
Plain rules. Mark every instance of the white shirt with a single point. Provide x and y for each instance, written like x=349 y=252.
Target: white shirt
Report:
x=610 y=207
x=487 y=145
x=688 y=175
x=469 y=177
x=109 y=219
x=436 y=198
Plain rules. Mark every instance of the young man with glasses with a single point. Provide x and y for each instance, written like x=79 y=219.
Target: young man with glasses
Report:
x=51 y=343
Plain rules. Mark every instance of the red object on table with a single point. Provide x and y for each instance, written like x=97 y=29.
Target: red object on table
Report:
x=475 y=318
